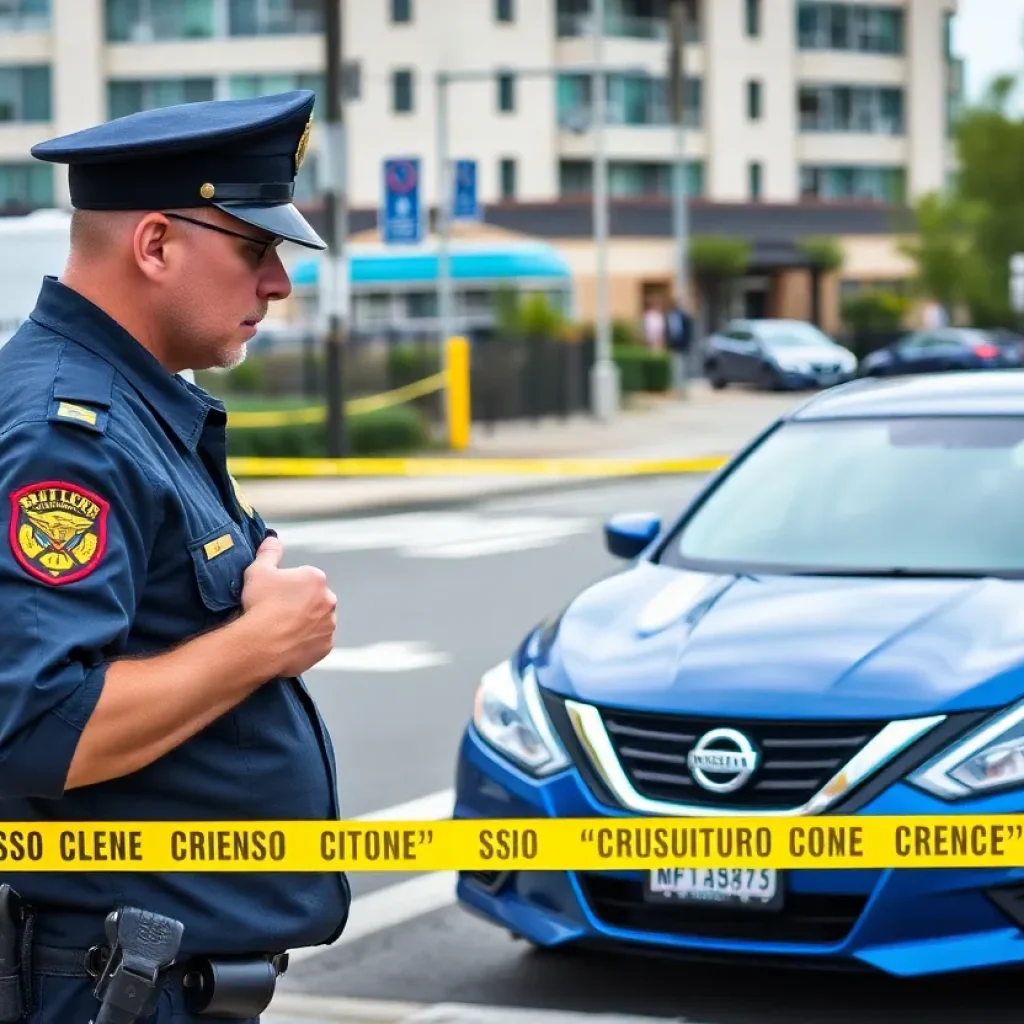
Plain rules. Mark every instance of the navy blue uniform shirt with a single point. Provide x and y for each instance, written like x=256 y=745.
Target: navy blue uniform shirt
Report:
x=125 y=536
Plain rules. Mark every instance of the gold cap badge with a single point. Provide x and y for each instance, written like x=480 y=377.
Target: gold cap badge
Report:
x=300 y=152
x=207 y=191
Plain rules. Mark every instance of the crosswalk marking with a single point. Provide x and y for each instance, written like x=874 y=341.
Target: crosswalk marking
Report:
x=434 y=534
x=394 y=656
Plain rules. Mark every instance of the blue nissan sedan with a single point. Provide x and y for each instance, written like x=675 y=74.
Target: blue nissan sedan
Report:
x=834 y=625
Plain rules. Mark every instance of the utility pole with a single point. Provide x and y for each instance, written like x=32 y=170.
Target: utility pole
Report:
x=604 y=384
x=444 y=195
x=677 y=94
x=336 y=209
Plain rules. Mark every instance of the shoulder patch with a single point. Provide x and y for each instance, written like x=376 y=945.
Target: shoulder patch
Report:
x=58 y=530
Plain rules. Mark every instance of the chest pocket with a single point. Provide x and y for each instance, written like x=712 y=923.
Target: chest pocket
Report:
x=220 y=558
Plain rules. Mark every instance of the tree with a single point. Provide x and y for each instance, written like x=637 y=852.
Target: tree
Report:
x=825 y=256
x=948 y=268
x=717 y=260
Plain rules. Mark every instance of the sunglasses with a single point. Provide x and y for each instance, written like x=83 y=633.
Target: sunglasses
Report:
x=264 y=245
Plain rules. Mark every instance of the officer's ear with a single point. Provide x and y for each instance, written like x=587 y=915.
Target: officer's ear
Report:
x=152 y=246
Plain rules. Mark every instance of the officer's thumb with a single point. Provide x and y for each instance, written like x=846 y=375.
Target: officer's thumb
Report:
x=269 y=554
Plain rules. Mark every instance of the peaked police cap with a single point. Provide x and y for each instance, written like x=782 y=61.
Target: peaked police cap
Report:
x=240 y=156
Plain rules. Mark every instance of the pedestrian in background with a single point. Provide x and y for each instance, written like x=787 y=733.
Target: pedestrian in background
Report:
x=679 y=340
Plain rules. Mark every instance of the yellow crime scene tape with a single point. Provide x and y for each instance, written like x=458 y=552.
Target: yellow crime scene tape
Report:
x=252 y=466
x=354 y=407
x=568 y=844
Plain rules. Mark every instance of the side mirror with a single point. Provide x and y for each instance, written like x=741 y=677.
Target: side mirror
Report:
x=626 y=536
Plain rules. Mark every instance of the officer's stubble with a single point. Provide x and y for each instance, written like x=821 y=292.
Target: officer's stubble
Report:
x=182 y=297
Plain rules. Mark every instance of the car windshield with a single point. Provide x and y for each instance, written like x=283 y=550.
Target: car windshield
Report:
x=903 y=496
x=795 y=335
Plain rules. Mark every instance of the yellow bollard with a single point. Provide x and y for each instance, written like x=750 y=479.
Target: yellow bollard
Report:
x=456 y=355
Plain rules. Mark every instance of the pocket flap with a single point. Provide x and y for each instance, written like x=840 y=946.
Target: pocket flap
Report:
x=220 y=558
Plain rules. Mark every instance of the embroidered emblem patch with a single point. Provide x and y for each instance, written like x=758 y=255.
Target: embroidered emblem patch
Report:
x=58 y=531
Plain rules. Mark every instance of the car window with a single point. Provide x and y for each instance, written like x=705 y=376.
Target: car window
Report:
x=793 y=334
x=868 y=495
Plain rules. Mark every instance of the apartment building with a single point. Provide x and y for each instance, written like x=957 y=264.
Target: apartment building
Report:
x=803 y=106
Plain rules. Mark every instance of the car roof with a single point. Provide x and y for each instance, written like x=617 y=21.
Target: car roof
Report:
x=971 y=393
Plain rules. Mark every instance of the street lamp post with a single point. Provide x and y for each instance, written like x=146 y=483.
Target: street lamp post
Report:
x=335 y=208
x=604 y=384
x=605 y=388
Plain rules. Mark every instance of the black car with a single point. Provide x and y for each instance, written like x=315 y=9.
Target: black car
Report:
x=775 y=354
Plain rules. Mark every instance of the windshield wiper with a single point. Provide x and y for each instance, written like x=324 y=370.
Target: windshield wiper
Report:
x=901 y=572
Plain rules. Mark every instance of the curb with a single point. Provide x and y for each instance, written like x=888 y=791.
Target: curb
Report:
x=302 y=1009
x=397 y=505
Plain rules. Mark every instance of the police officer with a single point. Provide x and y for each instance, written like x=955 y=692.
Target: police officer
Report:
x=152 y=645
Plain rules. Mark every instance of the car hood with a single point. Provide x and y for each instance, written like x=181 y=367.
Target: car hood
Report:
x=660 y=639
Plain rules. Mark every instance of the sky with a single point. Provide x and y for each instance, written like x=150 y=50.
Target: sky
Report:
x=989 y=35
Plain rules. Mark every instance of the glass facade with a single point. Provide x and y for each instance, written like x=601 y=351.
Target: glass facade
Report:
x=876 y=184
x=630 y=100
x=26 y=186
x=628 y=178
x=24 y=16
x=860 y=28
x=873 y=110
x=140 y=21
x=26 y=94
x=274 y=17
x=128 y=96
x=628 y=19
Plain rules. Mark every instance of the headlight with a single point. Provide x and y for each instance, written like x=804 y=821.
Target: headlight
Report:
x=989 y=760
x=508 y=714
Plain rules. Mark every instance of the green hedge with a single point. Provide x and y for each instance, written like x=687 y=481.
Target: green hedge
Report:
x=640 y=369
x=395 y=431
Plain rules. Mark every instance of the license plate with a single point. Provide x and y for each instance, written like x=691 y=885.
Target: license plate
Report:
x=754 y=887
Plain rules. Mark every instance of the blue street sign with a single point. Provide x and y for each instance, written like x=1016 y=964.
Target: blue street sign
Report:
x=465 y=204
x=401 y=219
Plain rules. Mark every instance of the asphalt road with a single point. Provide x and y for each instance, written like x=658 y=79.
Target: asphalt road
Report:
x=451 y=593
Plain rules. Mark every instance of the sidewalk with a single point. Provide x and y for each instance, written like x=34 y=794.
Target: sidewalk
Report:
x=707 y=423
x=298 y=1009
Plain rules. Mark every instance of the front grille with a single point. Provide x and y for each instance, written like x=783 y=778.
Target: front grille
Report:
x=804 y=917
x=796 y=758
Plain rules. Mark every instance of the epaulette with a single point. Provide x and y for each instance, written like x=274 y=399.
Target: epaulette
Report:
x=82 y=390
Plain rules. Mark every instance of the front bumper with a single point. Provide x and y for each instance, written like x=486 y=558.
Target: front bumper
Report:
x=903 y=922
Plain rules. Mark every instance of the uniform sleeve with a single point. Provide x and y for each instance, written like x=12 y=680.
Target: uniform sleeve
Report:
x=77 y=529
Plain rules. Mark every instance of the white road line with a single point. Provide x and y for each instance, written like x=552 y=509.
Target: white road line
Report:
x=396 y=904
x=390 y=656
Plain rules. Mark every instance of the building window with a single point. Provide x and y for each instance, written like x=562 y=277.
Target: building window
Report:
x=25 y=94
x=243 y=87
x=506 y=92
x=754 y=176
x=875 y=110
x=401 y=11
x=837 y=182
x=401 y=92
x=143 y=21
x=753 y=18
x=504 y=11
x=132 y=95
x=630 y=19
x=273 y=17
x=508 y=178
x=25 y=186
x=24 y=16
x=631 y=99
x=860 y=28
x=629 y=178
x=754 y=100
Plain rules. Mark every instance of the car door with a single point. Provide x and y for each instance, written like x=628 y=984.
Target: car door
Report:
x=744 y=354
x=922 y=353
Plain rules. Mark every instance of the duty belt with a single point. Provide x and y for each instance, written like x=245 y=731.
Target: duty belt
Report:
x=140 y=957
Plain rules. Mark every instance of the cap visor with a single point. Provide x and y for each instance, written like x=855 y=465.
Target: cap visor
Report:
x=284 y=221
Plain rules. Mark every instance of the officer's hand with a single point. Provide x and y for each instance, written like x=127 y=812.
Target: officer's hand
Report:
x=293 y=609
